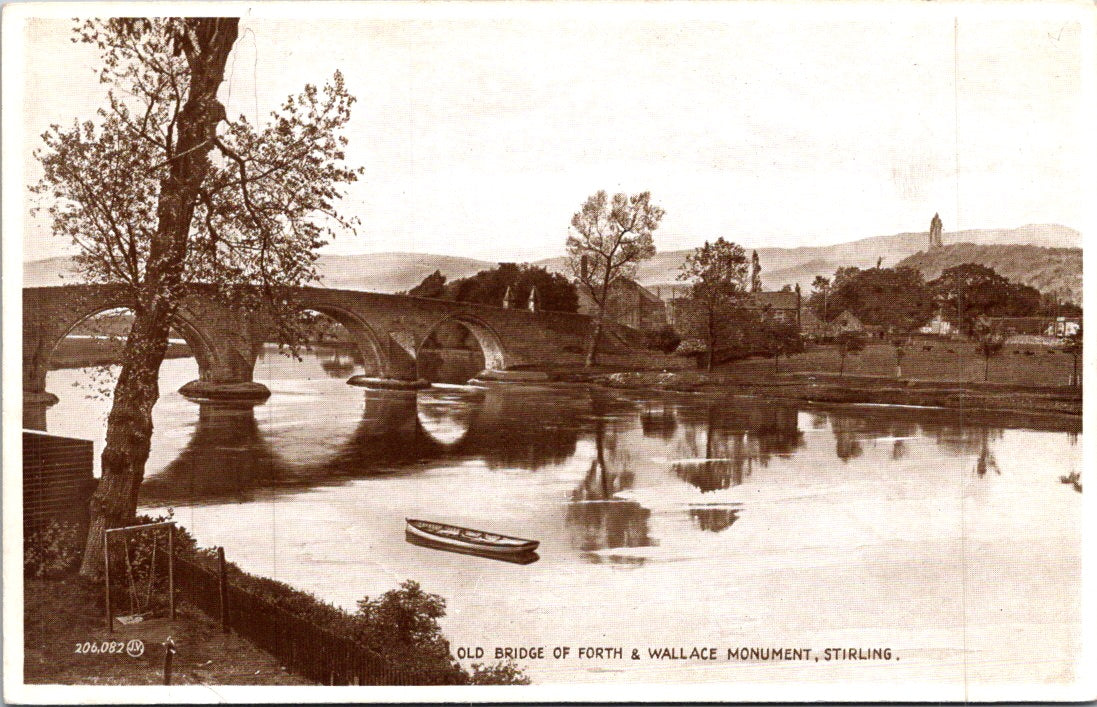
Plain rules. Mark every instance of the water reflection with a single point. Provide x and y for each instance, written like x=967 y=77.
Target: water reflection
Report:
x=735 y=438
x=229 y=455
x=714 y=518
x=659 y=420
x=340 y=362
x=597 y=517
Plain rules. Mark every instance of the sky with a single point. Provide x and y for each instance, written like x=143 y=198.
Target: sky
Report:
x=482 y=132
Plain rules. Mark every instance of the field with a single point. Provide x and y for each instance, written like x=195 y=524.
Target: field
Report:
x=928 y=360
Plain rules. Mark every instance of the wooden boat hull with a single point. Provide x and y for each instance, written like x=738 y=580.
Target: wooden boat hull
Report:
x=467 y=539
x=526 y=558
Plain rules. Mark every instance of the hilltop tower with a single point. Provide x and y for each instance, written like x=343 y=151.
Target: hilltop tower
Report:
x=935 y=232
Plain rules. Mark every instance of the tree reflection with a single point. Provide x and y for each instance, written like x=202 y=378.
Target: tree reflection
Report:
x=658 y=420
x=597 y=518
x=338 y=362
x=986 y=461
x=714 y=519
x=734 y=439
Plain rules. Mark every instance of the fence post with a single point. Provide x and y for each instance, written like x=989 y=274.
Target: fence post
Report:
x=106 y=580
x=169 y=653
x=223 y=586
x=171 y=570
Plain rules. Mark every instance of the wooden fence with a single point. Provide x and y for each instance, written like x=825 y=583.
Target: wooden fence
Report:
x=57 y=480
x=304 y=648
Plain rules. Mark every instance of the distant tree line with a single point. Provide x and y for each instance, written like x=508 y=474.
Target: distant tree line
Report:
x=511 y=281
x=900 y=300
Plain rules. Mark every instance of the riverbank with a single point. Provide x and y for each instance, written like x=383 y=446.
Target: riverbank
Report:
x=63 y=621
x=75 y=352
x=824 y=388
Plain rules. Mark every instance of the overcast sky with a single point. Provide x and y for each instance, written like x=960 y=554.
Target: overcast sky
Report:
x=482 y=132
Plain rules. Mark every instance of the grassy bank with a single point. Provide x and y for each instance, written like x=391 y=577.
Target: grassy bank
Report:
x=396 y=634
x=63 y=614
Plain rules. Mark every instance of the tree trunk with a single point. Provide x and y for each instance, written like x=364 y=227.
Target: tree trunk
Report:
x=592 y=348
x=129 y=425
x=711 y=341
x=776 y=357
x=986 y=368
x=842 y=365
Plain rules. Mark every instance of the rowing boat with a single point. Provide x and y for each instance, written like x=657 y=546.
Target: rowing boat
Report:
x=469 y=539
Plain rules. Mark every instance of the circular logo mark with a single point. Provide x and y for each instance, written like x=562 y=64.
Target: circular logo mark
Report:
x=135 y=648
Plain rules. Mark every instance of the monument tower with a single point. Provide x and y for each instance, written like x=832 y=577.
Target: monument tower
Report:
x=935 y=232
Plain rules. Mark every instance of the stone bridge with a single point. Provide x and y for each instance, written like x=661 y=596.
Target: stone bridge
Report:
x=388 y=330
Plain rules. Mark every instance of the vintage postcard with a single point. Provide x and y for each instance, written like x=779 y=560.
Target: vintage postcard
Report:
x=470 y=352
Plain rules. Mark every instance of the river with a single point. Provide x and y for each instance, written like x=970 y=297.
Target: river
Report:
x=665 y=520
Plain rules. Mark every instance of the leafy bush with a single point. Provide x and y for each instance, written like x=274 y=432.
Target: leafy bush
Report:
x=52 y=551
x=501 y=673
x=664 y=339
x=401 y=625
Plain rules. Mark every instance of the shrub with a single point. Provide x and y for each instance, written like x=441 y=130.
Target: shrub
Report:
x=664 y=339
x=501 y=673
x=52 y=551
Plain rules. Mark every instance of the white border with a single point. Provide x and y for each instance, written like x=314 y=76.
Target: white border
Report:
x=14 y=17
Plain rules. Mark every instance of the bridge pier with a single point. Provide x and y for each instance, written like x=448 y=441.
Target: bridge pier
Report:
x=241 y=392
x=491 y=375
x=388 y=383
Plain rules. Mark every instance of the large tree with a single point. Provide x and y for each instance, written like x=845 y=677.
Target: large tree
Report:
x=555 y=293
x=894 y=298
x=161 y=190
x=717 y=273
x=610 y=237
x=967 y=291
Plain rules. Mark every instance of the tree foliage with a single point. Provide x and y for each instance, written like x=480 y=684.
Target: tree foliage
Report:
x=968 y=291
x=610 y=237
x=555 y=293
x=718 y=277
x=433 y=286
x=266 y=203
x=894 y=298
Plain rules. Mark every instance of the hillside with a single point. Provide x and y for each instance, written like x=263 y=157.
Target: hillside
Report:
x=787 y=266
x=394 y=272
x=1046 y=269
x=377 y=272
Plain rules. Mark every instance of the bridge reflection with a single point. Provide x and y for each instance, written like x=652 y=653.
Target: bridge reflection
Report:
x=229 y=456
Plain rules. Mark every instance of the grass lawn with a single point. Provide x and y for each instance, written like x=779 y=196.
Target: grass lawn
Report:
x=61 y=614
x=930 y=361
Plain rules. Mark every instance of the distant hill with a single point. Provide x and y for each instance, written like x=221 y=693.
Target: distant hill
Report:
x=394 y=272
x=787 y=266
x=49 y=272
x=377 y=272
x=1046 y=269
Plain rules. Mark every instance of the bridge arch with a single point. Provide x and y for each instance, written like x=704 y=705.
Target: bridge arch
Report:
x=199 y=343
x=365 y=339
x=491 y=344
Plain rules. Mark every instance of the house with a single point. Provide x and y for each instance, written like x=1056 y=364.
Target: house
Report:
x=782 y=305
x=848 y=323
x=812 y=327
x=938 y=326
x=630 y=303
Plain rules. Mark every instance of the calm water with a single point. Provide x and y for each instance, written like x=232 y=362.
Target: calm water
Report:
x=664 y=520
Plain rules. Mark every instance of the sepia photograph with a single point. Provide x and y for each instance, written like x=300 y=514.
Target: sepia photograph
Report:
x=470 y=351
